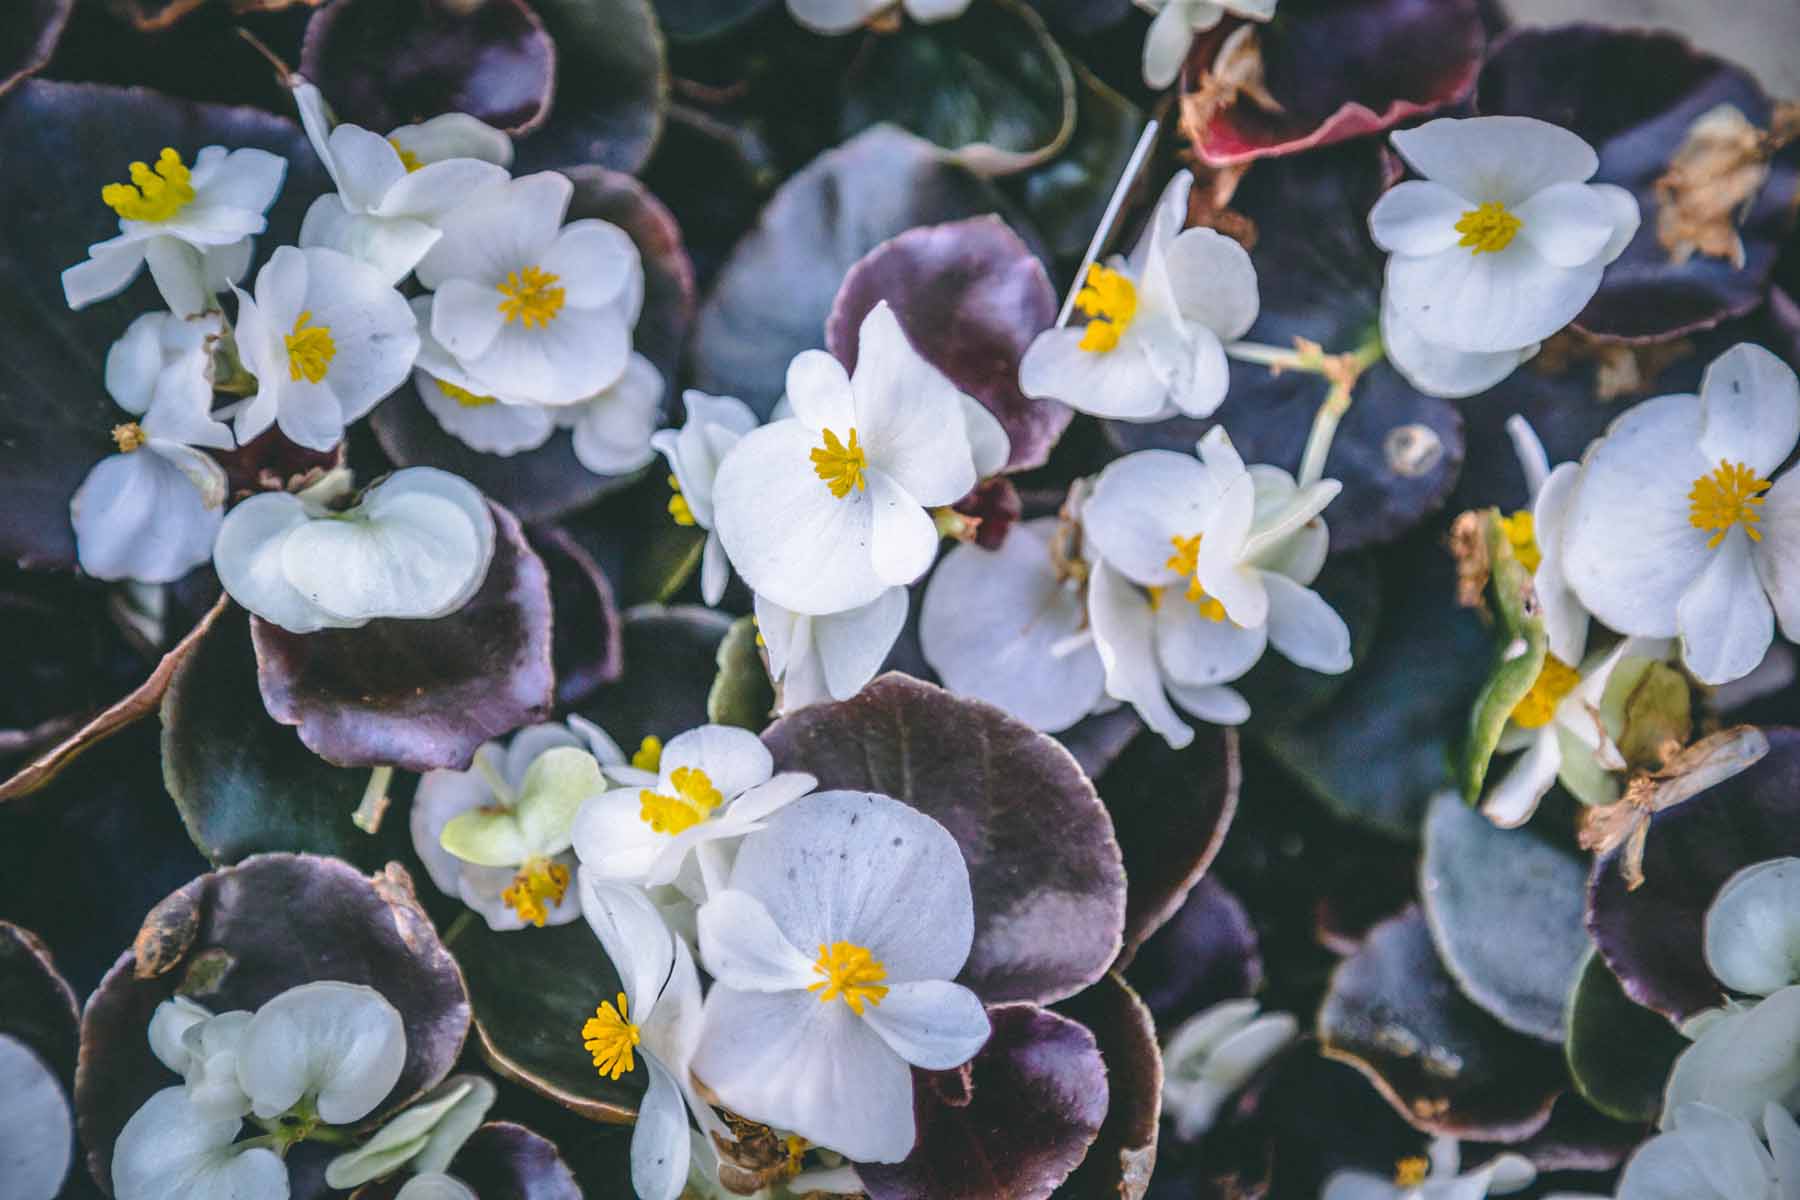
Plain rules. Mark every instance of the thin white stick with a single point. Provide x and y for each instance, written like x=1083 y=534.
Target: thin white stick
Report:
x=1114 y=206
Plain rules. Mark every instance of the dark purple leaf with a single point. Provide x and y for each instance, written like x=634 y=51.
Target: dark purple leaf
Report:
x=612 y=86
x=1097 y=739
x=41 y=1009
x=1205 y=953
x=1119 y=1164
x=1576 y=1138
x=29 y=36
x=503 y=1161
x=588 y=647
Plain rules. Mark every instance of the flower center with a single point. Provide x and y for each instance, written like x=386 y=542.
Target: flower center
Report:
x=1411 y=1172
x=694 y=800
x=840 y=466
x=1109 y=299
x=151 y=195
x=408 y=159
x=1731 y=495
x=539 y=880
x=310 y=349
x=850 y=971
x=1186 y=560
x=1555 y=680
x=1488 y=228
x=678 y=505
x=648 y=756
x=1521 y=530
x=531 y=296
x=128 y=437
x=610 y=1037
x=464 y=396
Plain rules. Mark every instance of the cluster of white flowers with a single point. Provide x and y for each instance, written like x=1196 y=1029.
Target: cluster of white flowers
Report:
x=699 y=845
x=525 y=327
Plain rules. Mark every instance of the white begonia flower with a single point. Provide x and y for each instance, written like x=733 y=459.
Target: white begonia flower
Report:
x=498 y=834
x=825 y=510
x=435 y=1186
x=169 y=1151
x=37 y=1132
x=830 y=657
x=424 y=1138
x=393 y=192
x=657 y=1014
x=713 y=426
x=533 y=311
x=1501 y=244
x=714 y=785
x=1674 y=527
x=833 y=17
x=1745 y=1056
x=337 y=1048
x=1435 y=1177
x=150 y=512
x=202 y=1049
x=1536 y=534
x=191 y=226
x=1174 y=24
x=1008 y=626
x=1224 y=553
x=1752 y=933
x=417 y=546
x=1158 y=321
x=1708 y=1154
x=327 y=339
x=832 y=954
x=1213 y=1055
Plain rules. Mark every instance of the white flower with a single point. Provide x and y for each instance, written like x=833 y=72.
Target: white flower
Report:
x=713 y=426
x=424 y=1138
x=657 y=1015
x=150 y=513
x=1537 y=538
x=533 y=311
x=393 y=192
x=1154 y=343
x=498 y=835
x=825 y=510
x=1009 y=627
x=1213 y=1055
x=327 y=339
x=336 y=1047
x=435 y=1185
x=714 y=785
x=1674 y=527
x=37 y=1133
x=831 y=657
x=1435 y=1178
x=613 y=427
x=202 y=1048
x=1752 y=933
x=193 y=227
x=1225 y=553
x=1501 y=244
x=1176 y=22
x=417 y=546
x=842 y=16
x=169 y=1151
x=1707 y=1154
x=822 y=1040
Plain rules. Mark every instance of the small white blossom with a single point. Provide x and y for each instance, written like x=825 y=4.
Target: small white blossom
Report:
x=1707 y=1154
x=842 y=16
x=37 y=1132
x=1213 y=1055
x=832 y=953
x=1412 y=1180
x=1174 y=24
x=815 y=659
x=202 y=1048
x=1158 y=321
x=191 y=226
x=1752 y=932
x=339 y=1047
x=713 y=426
x=1537 y=533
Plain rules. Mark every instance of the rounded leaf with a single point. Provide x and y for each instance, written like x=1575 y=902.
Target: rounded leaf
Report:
x=1124 y=1153
x=671 y=662
x=1619 y=1053
x=1205 y=953
x=612 y=86
x=588 y=647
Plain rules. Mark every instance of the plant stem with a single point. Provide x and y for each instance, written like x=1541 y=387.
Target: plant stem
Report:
x=1342 y=370
x=462 y=922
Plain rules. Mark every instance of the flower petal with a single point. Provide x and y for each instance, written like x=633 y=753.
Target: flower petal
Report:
x=593 y=262
x=139 y=516
x=1504 y=159
x=903 y=539
x=1140 y=504
x=659 y=1141
x=1750 y=406
x=818 y=388
x=340 y=1043
x=744 y=949
x=853 y=644
x=1417 y=218
x=167 y=1151
x=37 y=1131
x=734 y=759
x=1307 y=630
x=465 y=318
x=1116 y=383
x=1569 y=224
x=1510 y=802
x=910 y=416
x=1196 y=650
x=1213 y=281
x=1724 y=618
x=930 y=1023
x=635 y=939
x=248 y=558
x=1488 y=302
x=1124 y=635
x=1439 y=370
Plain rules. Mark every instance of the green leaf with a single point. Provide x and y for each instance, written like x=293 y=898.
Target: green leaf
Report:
x=1519 y=649
x=1620 y=1053
x=741 y=694
x=1066 y=196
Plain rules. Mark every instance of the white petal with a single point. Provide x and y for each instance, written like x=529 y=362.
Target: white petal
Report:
x=391 y=246
x=434 y=191
x=341 y=1043
x=367 y=166
x=1305 y=629
x=1777 y=556
x=734 y=759
x=1239 y=588
x=659 y=1142
x=1504 y=159
x=169 y=1152
x=1511 y=800
x=504 y=229
x=1753 y=928
x=1743 y=1061
x=1488 y=302
x=819 y=390
x=138 y=516
x=1140 y=504
x=1116 y=383
x=37 y=1132
x=988 y=442
x=593 y=261
x=1625 y=218
x=1784 y=1147
x=1166 y=46
x=744 y=949
x=834 y=16
x=1417 y=218
x=1570 y=224
x=372 y=329
x=179 y=273
x=493 y=428
x=715 y=570
x=455 y=135
x=1356 y=1185
x=903 y=538
x=248 y=557
x=1710 y=1156
x=613 y=840
x=1724 y=619
x=631 y=932
x=853 y=644
x=930 y=1023
x=1197 y=651
x=440 y=796
x=1213 y=281
x=434 y=1186
x=612 y=431
x=1438 y=370
x=1565 y=620
x=1215 y=703
x=465 y=318
x=1750 y=404
x=108 y=271
x=910 y=417
x=1124 y=636
x=173 y=1018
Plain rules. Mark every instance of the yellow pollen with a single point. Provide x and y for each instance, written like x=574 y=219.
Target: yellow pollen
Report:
x=1555 y=680
x=151 y=195
x=797 y=1147
x=537 y=881
x=678 y=505
x=648 y=756
x=128 y=437
x=1186 y=560
x=840 y=466
x=531 y=297
x=694 y=800
x=464 y=396
x=610 y=1037
x=849 y=971
x=1411 y=1172
x=310 y=349
x=1488 y=228
x=1521 y=530
x=1731 y=495
x=408 y=159
x=1109 y=299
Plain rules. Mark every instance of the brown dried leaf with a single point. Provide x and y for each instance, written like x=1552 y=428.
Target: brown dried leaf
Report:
x=1620 y=368
x=1709 y=186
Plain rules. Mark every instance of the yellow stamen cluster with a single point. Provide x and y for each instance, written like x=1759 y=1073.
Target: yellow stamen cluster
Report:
x=610 y=1037
x=1731 y=495
x=310 y=349
x=531 y=296
x=1109 y=299
x=1555 y=680
x=408 y=159
x=678 y=505
x=648 y=755
x=694 y=800
x=152 y=195
x=1521 y=531
x=1411 y=1172
x=539 y=884
x=1488 y=229
x=841 y=466
x=1186 y=560
x=129 y=436
x=851 y=972
x=464 y=396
